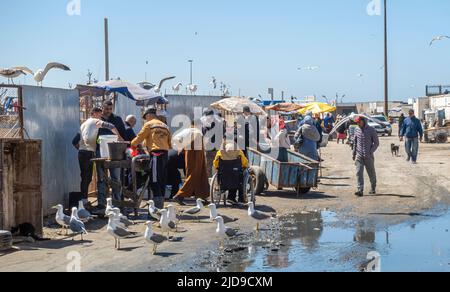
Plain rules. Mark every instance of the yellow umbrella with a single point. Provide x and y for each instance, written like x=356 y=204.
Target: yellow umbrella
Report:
x=317 y=108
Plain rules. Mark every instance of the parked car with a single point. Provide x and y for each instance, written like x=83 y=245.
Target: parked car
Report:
x=381 y=125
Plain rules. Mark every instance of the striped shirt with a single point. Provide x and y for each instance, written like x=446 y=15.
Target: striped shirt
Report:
x=366 y=142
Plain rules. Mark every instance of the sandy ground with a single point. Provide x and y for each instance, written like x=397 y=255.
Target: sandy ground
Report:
x=406 y=192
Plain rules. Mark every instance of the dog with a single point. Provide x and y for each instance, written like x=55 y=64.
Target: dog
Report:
x=395 y=150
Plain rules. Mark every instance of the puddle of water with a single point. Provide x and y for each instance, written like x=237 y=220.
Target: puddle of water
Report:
x=313 y=242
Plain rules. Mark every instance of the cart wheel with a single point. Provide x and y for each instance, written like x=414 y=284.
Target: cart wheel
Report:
x=302 y=191
x=442 y=138
x=259 y=180
x=216 y=194
x=249 y=188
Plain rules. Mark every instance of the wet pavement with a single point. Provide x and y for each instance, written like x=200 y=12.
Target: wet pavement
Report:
x=319 y=241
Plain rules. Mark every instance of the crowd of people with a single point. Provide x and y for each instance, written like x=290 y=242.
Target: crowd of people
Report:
x=196 y=153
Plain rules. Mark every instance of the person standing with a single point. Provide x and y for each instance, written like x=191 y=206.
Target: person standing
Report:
x=196 y=184
x=115 y=174
x=413 y=131
x=307 y=138
x=213 y=133
x=401 y=122
x=248 y=125
x=328 y=123
x=87 y=147
x=366 y=143
x=281 y=142
x=158 y=140
x=130 y=123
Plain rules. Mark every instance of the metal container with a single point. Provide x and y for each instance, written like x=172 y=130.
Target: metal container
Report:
x=6 y=240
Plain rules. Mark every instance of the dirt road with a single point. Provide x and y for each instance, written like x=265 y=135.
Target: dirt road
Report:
x=405 y=193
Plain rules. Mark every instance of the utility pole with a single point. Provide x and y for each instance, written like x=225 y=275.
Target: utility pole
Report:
x=106 y=50
x=191 y=62
x=386 y=72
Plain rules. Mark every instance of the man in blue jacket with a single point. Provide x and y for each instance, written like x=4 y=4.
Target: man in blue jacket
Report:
x=413 y=131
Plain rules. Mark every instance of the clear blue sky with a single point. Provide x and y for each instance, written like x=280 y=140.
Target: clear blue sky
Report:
x=250 y=45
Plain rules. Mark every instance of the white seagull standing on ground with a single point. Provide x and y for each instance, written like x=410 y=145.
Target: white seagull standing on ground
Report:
x=172 y=214
x=117 y=232
x=76 y=225
x=120 y=219
x=11 y=74
x=223 y=230
x=62 y=219
x=153 y=238
x=83 y=214
x=195 y=210
x=213 y=214
x=166 y=224
x=256 y=215
x=154 y=212
x=438 y=38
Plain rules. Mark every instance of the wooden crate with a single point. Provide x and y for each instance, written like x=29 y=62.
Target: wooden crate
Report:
x=20 y=183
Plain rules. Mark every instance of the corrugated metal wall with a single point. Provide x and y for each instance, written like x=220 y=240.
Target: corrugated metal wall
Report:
x=53 y=116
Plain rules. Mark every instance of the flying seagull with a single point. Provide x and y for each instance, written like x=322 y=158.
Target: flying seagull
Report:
x=438 y=38
x=62 y=219
x=152 y=238
x=117 y=232
x=40 y=74
x=256 y=215
x=195 y=210
x=76 y=225
x=11 y=74
x=157 y=89
x=83 y=214
x=213 y=82
x=308 y=68
x=223 y=230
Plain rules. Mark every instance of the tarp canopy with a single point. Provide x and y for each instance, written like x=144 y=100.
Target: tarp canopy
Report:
x=317 y=108
x=236 y=105
x=285 y=107
x=130 y=90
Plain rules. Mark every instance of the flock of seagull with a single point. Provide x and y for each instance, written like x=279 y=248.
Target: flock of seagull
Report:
x=168 y=221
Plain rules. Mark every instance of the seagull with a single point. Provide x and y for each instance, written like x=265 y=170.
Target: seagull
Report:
x=438 y=38
x=109 y=207
x=177 y=87
x=11 y=74
x=117 y=232
x=120 y=219
x=62 y=219
x=308 y=68
x=213 y=214
x=153 y=211
x=172 y=214
x=195 y=210
x=152 y=238
x=83 y=214
x=223 y=230
x=192 y=88
x=40 y=74
x=213 y=82
x=76 y=225
x=256 y=215
x=157 y=89
x=166 y=224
